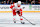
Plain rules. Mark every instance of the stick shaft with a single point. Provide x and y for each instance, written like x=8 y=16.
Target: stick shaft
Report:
x=27 y=20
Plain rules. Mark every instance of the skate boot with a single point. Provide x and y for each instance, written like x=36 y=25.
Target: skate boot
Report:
x=22 y=22
x=14 y=21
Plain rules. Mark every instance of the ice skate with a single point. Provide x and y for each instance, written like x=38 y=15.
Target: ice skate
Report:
x=22 y=22
x=14 y=21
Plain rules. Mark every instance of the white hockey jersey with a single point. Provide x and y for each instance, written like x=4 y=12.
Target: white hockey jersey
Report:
x=16 y=7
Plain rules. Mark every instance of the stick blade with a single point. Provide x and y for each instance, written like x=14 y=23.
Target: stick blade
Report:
x=33 y=24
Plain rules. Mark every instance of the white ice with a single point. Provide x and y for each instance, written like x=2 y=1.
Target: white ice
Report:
x=6 y=20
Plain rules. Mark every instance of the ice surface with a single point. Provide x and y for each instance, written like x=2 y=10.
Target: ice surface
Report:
x=6 y=20
x=18 y=25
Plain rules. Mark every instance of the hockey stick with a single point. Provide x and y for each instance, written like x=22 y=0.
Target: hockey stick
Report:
x=28 y=21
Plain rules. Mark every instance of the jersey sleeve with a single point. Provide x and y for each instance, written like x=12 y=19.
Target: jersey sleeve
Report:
x=12 y=6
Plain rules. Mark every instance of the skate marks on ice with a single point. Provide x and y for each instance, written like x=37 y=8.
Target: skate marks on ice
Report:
x=4 y=21
x=7 y=21
x=33 y=17
x=18 y=25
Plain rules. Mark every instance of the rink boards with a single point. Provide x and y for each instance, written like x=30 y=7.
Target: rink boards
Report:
x=25 y=8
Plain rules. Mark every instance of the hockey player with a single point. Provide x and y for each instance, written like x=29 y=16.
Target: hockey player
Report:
x=16 y=7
